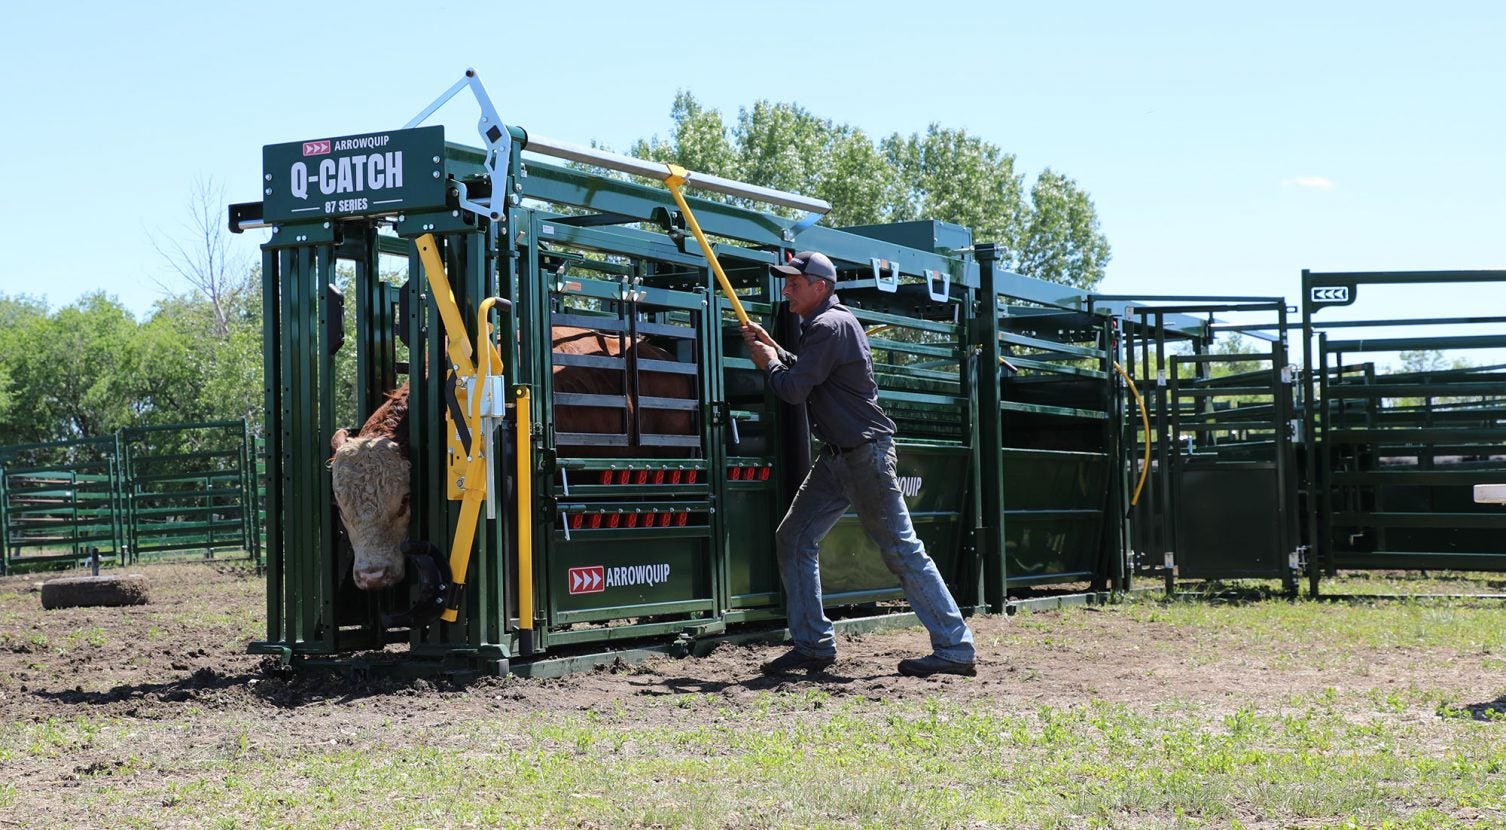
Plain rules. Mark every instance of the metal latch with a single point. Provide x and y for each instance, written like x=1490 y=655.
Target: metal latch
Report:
x=945 y=280
x=891 y=284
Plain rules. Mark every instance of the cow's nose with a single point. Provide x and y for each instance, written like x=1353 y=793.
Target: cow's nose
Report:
x=369 y=579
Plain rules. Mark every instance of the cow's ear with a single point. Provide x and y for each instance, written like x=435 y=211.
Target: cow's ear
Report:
x=340 y=437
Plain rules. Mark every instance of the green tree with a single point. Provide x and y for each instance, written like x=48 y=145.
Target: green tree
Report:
x=699 y=140
x=1424 y=362
x=236 y=383
x=202 y=361
x=78 y=368
x=23 y=328
x=785 y=147
x=175 y=348
x=1062 y=242
x=944 y=174
x=954 y=177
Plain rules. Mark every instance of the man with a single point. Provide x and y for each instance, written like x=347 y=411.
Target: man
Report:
x=833 y=376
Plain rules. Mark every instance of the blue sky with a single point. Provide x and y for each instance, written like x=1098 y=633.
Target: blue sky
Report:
x=1227 y=146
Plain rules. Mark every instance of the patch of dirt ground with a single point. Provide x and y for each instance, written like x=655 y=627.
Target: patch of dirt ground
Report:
x=188 y=647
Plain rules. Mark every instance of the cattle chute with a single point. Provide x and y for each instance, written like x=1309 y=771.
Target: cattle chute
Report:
x=654 y=523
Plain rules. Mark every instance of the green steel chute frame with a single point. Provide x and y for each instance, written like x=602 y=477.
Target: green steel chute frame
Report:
x=614 y=258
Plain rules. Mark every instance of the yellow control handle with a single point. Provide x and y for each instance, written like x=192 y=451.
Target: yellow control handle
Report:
x=677 y=177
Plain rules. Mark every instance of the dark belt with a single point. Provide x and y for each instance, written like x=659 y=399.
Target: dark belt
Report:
x=833 y=449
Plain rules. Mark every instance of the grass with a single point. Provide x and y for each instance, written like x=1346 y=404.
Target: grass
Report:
x=800 y=760
x=1367 y=755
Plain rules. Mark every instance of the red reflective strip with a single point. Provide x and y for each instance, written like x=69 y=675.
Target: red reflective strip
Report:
x=614 y=520
x=606 y=476
x=622 y=476
x=680 y=519
x=659 y=476
x=690 y=476
x=735 y=473
x=674 y=477
x=576 y=521
x=632 y=520
x=663 y=520
x=595 y=520
x=763 y=473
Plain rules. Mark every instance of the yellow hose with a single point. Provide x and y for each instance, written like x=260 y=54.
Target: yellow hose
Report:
x=1145 y=422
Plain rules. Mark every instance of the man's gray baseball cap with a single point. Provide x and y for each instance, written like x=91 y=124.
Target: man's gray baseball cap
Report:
x=811 y=265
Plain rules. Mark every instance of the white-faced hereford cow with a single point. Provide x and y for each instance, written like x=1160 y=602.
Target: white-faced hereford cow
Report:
x=370 y=470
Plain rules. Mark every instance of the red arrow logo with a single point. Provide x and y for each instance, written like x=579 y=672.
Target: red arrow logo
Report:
x=588 y=580
x=315 y=148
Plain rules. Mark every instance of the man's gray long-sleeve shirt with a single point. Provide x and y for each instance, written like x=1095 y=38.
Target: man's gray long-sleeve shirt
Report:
x=833 y=375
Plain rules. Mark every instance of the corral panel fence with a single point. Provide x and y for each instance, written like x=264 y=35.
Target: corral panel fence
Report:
x=1221 y=500
x=142 y=492
x=190 y=487
x=59 y=501
x=1399 y=451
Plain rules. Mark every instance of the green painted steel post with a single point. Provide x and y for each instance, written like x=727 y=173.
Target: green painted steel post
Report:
x=991 y=432
x=272 y=380
x=1310 y=421
x=4 y=521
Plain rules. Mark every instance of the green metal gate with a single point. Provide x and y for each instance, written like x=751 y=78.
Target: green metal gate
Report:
x=1399 y=452
x=1223 y=497
x=190 y=487
x=59 y=501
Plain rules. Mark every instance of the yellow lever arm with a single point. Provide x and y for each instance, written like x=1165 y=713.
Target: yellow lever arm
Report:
x=677 y=177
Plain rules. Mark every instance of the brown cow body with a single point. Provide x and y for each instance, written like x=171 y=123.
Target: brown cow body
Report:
x=370 y=471
x=579 y=379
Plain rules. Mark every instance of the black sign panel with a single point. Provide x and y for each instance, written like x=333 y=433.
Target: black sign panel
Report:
x=366 y=174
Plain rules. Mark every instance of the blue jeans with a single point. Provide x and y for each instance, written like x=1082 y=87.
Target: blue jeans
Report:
x=863 y=478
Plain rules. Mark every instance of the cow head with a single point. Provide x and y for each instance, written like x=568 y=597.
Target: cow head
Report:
x=370 y=479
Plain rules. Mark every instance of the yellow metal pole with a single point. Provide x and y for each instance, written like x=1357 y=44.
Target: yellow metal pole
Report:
x=465 y=535
x=524 y=420
x=459 y=346
x=678 y=176
x=475 y=473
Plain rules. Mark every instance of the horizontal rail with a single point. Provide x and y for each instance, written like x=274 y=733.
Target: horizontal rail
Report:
x=1043 y=409
x=1417 y=477
x=657 y=170
x=1442 y=521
